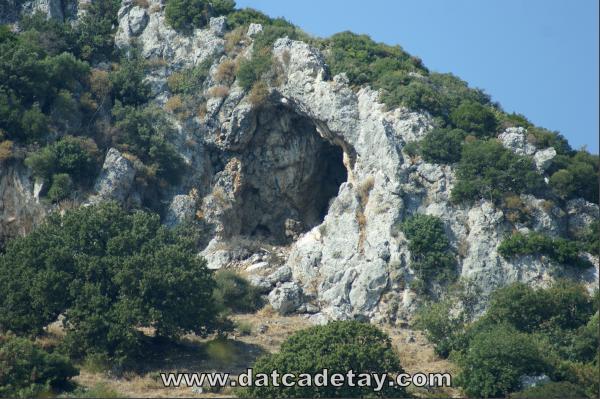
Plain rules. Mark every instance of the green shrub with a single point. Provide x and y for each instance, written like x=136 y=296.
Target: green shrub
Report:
x=109 y=273
x=551 y=390
x=127 y=82
x=31 y=80
x=558 y=249
x=234 y=293
x=496 y=360
x=75 y=156
x=145 y=132
x=61 y=188
x=442 y=145
x=246 y=16
x=474 y=118
x=441 y=325
x=28 y=371
x=95 y=30
x=430 y=252
x=189 y=81
x=338 y=346
x=578 y=177
x=251 y=70
x=185 y=15
x=488 y=170
x=565 y=305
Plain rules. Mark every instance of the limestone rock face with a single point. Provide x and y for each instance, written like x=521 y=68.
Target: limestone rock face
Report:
x=304 y=188
x=116 y=178
x=20 y=206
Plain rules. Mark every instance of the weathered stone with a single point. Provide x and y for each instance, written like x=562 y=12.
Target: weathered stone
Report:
x=116 y=178
x=286 y=298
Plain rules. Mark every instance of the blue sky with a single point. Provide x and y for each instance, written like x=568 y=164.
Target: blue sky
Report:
x=535 y=57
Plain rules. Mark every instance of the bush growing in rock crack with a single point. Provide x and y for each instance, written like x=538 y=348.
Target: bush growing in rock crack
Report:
x=430 y=253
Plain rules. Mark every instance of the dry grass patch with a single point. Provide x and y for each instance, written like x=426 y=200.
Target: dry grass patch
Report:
x=225 y=73
x=218 y=91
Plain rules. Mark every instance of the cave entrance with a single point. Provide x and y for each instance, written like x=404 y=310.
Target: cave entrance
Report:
x=291 y=175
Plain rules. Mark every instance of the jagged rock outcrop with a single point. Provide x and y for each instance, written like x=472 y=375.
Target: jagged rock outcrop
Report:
x=305 y=190
x=20 y=206
x=115 y=180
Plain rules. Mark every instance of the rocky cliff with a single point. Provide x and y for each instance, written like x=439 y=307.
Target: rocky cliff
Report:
x=305 y=190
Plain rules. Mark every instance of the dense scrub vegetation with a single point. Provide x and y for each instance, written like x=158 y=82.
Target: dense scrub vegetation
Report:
x=524 y=332
x=558 y=249
x=27 y=371
x=108 y=273
x=488 y=170
x=431 y=257
x=338 y=346
x=185 y=15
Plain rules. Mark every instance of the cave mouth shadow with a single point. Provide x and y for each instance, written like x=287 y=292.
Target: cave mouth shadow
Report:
x=291 y=175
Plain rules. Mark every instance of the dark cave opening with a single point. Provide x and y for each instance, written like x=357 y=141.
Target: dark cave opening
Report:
x=291 y=175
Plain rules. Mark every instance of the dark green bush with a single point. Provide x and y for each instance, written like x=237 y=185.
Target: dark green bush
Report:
x=365 y=61
x=28 y=371
x=185 y=15
x=127 y=82
x=61 y=188
x=75 y=156
x=31 y=80
x=338 y=346
x=578 y=177
x=474 y=118
x=251 y=70
x=442 y=145
x=109 y=273
x=565 y=305
x=234 y=293
x=488 y=170
x=144 y=132
x=431 y=257
x=95 y=30
x=496 y=360
x=558 y=249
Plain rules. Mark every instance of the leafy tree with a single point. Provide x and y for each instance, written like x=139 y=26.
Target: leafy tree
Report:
x=108 y=273
x=338 y=346
x=496 y=360
x=474 y=118
x=28 y=371
x=558 y=249
x=429 y=247
x=488 y=170
x=442 y=145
